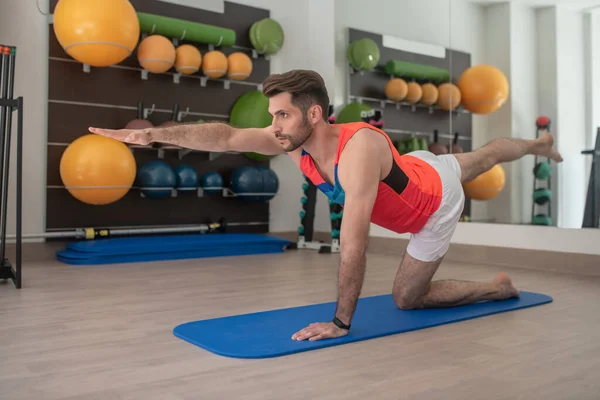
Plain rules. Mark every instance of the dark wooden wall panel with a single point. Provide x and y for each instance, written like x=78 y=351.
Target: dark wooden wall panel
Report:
x=107 y=97
x=372 y=84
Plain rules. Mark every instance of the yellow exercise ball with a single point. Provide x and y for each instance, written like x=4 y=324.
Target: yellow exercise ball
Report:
x=188 y=59
x=448 y=96
x=396 y=89
x=97 y=170
x=487 y=185
x=414 y=93
x=484 y=89
x=96 y=32
x=430 y=94
x=214 y=64
x=239 y=66
x=156 y=54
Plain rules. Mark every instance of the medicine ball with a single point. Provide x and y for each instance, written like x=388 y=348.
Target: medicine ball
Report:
x=186 y=178
x=270 y=182
x=156 y=179
x=212 y=183
x=246 y=182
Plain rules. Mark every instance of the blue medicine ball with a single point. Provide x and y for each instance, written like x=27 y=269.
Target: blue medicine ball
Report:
x=270 y=182
x=187 y=178
x=246 y=182
x=156 y=179
x=212 y=183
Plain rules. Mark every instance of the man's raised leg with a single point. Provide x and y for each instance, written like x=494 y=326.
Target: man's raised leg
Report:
x=414 y=288
x=503 y=150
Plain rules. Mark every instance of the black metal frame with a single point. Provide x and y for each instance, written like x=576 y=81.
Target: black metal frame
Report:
x=7 y=270
x=591 y=218
x=7 y=106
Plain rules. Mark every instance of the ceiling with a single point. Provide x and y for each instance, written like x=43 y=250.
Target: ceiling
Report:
x=579 y=5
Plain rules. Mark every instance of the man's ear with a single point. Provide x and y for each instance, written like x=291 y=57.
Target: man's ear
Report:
x=315 y=114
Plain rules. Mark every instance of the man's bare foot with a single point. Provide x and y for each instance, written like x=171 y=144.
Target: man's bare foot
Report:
x=505 y=285
x=546 y=148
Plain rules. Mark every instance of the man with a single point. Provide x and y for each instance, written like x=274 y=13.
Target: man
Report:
x=357 y=166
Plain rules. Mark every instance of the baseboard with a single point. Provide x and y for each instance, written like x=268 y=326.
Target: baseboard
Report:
x=539 y=260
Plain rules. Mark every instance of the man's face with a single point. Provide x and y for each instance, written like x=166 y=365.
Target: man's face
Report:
x=291 y=127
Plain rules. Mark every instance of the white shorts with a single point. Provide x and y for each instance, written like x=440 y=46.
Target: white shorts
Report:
x=433 y=241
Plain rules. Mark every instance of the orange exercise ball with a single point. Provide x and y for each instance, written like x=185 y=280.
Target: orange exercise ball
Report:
x=97 y=170
x=449 y=96
x=96 y=32
x=156 y=54
x=188 y=59
x=396 y=89
x=487 y=185
x=484 y=89
x=239 y=66
x=414 y=93
x=214 y=64
x=430 y=94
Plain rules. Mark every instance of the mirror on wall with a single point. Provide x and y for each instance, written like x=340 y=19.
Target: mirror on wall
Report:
x=396 y=68
x=535 y=69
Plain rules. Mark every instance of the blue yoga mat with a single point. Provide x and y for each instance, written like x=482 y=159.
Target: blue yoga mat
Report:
x=75 y=258
x=171 y=247
x=268 y=333
x=157 y=244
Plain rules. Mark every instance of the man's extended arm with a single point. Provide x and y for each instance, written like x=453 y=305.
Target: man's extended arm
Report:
x=209 y=136
x=360 y=171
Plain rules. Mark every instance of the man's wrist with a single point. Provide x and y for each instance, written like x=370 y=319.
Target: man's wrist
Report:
x=337 y=322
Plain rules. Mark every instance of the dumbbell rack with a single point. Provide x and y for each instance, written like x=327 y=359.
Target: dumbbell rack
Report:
x=307 y=216
x=541 y=128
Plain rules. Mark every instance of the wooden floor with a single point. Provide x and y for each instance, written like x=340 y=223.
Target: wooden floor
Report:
x=106 y=333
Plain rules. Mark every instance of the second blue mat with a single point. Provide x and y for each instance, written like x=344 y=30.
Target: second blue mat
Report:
x=268 y=333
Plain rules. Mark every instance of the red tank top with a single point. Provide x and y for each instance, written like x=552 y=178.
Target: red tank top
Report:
x=406 y=198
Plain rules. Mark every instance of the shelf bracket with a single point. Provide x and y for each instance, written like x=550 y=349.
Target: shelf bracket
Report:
x=86 y=68
x=176 y=78
x=145 y=74
x=203 y=80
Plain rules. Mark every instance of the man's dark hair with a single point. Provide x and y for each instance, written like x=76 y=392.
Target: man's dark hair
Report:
x=306 y=87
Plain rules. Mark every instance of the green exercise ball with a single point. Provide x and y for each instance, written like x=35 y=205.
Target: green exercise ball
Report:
x=363 y=54
x=251 y=110
x=353 y=112
x=542 y=170
x=542 y=196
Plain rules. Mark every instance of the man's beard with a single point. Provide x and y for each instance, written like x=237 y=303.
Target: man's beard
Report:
x=298 y=140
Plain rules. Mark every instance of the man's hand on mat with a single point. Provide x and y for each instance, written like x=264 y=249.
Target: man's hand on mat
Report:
x=320 y=330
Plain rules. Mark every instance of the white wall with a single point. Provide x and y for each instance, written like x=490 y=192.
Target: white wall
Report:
x=497 y=36
x=571 y=119
x=31 y=82
x=524 y=104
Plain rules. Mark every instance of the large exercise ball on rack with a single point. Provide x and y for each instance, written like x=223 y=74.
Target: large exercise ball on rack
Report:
x=97 y=170
x=396 y=89
x=156 y=54
x=96 y=32
x=212 y=183
x=487 y=185
x=270 y=182
x=156 y=179
x=247 y=183
x=186 y=178
x=251 y=110
x=484 y=89
x=354 y=112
